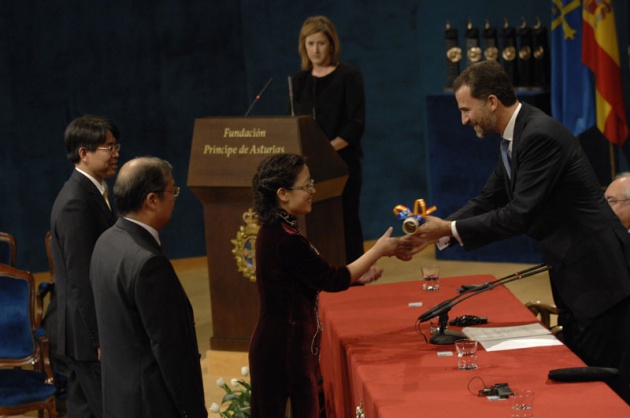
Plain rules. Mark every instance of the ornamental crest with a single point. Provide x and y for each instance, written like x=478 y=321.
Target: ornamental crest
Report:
x=245 y=246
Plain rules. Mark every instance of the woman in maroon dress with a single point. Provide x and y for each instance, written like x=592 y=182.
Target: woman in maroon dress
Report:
x=290 y=273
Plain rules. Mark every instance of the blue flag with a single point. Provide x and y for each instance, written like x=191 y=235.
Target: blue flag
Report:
x=572 y=97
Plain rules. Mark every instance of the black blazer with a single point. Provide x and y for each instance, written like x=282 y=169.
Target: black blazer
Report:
x=79 y=216
x=555 y=198
x=150 y=361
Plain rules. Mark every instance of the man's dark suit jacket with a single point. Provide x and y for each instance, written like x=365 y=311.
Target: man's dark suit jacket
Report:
x=555 y=198
x=149 y=355
x=79 y=216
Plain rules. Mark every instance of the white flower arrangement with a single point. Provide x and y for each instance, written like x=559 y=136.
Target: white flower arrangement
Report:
x=236 y=402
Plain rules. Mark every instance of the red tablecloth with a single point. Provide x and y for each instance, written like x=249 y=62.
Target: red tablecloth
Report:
x=372 y=356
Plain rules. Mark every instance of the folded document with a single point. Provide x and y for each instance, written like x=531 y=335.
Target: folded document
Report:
x=512 y=338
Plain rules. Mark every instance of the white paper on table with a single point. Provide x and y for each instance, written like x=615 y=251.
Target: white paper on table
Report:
x=512 y=338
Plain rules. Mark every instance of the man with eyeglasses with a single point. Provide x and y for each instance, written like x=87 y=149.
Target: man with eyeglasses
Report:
x=618 y=197
x=80 y=214
x=149 y=351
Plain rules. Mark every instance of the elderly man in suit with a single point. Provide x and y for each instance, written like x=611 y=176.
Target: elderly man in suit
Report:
x=80 y=214
x=544 y=186
x=618 y=197
x=149 y=352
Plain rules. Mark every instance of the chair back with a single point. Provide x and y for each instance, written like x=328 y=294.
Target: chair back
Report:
x=8 y=249
x=544 y=312
x=17 y=302
x=51 y=264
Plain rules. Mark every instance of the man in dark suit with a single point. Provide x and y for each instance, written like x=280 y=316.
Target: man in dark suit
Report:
x=545 y=187
x=149 y=354
x=79 y=215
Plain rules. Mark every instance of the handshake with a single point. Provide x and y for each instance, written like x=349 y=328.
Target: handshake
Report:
x=421 y=229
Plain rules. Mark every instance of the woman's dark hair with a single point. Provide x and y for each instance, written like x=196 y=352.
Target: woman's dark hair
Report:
x=275 y=172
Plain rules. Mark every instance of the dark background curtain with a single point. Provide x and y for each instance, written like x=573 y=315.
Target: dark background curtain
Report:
x=154 y=66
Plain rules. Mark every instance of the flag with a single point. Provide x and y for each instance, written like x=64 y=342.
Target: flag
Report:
x=572 y=101
x=600 y=52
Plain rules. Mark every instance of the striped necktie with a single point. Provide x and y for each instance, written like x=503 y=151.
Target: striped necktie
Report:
x=505 y=157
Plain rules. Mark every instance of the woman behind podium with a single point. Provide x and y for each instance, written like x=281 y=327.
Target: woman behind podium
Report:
x=290 y=273
x=332 y=92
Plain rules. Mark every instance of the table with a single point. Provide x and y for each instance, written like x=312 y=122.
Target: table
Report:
x=373 y=356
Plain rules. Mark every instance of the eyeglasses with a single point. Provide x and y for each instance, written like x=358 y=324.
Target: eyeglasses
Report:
x=111 y=148
x=175 y=191
x=612 y=201
x=309 y=187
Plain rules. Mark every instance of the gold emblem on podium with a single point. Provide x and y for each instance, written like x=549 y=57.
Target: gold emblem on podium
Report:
x=245 y=246
x=539 y=52
x=454 y=54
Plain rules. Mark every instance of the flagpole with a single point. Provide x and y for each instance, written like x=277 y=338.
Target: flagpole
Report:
x=613 y=168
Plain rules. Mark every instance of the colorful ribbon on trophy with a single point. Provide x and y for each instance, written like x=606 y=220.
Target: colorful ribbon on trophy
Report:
x=412 y=220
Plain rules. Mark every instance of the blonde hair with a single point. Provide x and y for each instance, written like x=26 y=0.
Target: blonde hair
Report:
x=311 y=26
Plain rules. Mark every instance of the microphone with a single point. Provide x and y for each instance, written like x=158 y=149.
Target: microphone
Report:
x=469 y=287
x=291 y=96
x=583 y=374
x=258 y=96
x=465 y=292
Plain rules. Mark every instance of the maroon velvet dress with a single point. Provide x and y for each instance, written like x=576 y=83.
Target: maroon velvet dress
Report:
x=284 y=349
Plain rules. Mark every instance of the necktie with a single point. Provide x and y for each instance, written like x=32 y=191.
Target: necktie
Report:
x=505 y=157
x=106 y=199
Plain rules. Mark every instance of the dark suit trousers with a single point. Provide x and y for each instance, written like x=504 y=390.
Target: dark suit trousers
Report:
x=85 y=399
x=603 y=342
x=353 y=232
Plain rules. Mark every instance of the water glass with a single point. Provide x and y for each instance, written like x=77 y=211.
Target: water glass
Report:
x=466 y=354
x=522 y=403
x=431 y=277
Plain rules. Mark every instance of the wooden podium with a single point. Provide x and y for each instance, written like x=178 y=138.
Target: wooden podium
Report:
x=224 y=156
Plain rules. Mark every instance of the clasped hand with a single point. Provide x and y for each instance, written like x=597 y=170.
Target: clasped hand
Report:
x=428 y=233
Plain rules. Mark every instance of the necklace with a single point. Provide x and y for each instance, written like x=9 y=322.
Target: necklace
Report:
x=289 y=220
x=293 y=223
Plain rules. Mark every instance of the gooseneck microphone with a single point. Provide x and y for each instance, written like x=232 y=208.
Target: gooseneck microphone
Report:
x=291 y=96
x=465 y=292
x=258 y=96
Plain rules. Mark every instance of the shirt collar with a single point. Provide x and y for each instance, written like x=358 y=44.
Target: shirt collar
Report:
x=98 y=185
x=509 y=129
x=150 y=229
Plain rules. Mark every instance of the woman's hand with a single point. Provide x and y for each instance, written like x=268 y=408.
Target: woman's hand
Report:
x=386 y=245
x=373 y=274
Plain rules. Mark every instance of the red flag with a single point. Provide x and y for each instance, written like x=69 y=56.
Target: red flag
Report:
x=600 y=53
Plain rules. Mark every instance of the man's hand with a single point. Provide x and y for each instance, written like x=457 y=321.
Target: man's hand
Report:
x=404 y=249
x=410 y=245
x=428 y=233
x=434 y=228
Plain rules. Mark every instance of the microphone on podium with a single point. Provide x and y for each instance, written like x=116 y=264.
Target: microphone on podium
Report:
x=258 y=96
x=441 y=310
x=291 y=96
